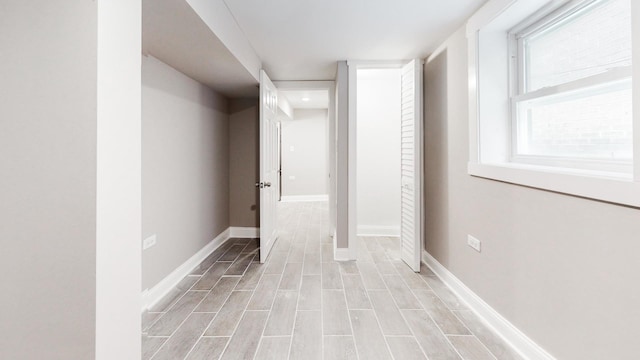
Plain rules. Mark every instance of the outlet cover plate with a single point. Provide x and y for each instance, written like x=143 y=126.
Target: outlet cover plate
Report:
x=473 y=243
x=149 y=242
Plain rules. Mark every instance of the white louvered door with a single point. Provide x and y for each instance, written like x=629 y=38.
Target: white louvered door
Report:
x=411 y=164
x=268 y=165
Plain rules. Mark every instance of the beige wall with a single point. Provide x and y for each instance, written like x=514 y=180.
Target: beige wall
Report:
x=562 y=269
x=342 y=157
x=185 y=168
x=244 y=201
x=48 y=179
x=307 y=163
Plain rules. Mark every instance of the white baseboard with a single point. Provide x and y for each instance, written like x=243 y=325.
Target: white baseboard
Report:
x=375 y=230
x=244 y=232
x=512 y=335
x=152 y=296
x=302 y=198
x=341 y=254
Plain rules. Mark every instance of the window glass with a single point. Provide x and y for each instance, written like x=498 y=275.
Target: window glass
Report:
x=588 y=42
x=592 y=123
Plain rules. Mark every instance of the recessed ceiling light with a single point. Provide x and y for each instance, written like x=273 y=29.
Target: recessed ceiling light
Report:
x=305 y=99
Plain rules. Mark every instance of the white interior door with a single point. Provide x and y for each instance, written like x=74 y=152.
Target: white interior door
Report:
x=268 y=183
x=411 y=164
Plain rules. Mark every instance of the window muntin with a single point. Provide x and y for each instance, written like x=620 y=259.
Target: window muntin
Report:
x=572 y=103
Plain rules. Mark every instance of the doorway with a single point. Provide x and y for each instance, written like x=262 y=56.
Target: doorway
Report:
x=319 y=94
x=304 y=146
x=275 y=110
x=378 y=158
x=385 y=156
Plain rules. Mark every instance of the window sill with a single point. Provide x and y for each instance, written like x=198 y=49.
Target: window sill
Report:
x=618 y=189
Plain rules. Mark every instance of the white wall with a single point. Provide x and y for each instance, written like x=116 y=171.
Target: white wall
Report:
x=185 y=167
x=118 y=195
x=304 y=154
x=48 y=127
x=378 y=151
x=562 y=269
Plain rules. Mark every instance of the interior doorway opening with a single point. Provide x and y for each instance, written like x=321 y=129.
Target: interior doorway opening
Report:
x=304 y=146
x=373 y=185
x=378 y=148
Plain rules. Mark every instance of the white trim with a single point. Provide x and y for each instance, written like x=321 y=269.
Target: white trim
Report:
x=377 y=64
x=377 y=230
x=619 y=191
x=491 y=159
x=152 y=296
x=352 y=159
x=244 y=232
x=342 y=254
x=506 y=330
x=303 y=198
x=118 y=183
x=635 y=48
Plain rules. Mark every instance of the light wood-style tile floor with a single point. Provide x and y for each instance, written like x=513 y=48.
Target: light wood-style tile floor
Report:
x=301 y=304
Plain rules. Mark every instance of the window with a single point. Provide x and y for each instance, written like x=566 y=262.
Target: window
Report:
x=554 y=96
x=572 y=99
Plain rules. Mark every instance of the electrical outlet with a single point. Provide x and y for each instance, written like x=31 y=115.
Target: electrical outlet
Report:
x=473 y=242
x=291 y=177
x=149 y=242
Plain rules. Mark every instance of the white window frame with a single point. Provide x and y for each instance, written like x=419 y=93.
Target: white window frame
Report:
x=519 y=93
x=491 y=132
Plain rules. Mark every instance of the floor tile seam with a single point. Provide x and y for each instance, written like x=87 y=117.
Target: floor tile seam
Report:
x=405 y=320
x=245 y=269
x=158 y=349
x=295 y=316
x=176 y=330
x=276 y=336
x=401 y=315
x=253 y=292
x=353 y=333
x=235 y=329
x=455 y=313
x=183 y=294
x=450 y=310
x=185 y=319
x=375 y=314
x=436 y=324
x=153 y=322
x=173 y=303
x=407 y=283
x=495 y=357
x=270 y=309
x=322 y=348
x=199 y=337
x=209 y=293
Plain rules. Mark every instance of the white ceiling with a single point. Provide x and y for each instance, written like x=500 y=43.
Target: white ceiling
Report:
x=175 y=34
x=317 y=99
x=303 y=39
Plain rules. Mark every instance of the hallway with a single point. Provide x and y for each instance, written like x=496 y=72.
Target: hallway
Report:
x=303 y=305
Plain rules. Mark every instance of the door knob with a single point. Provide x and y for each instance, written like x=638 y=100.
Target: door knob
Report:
x=267 y=184
x=263 y=185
